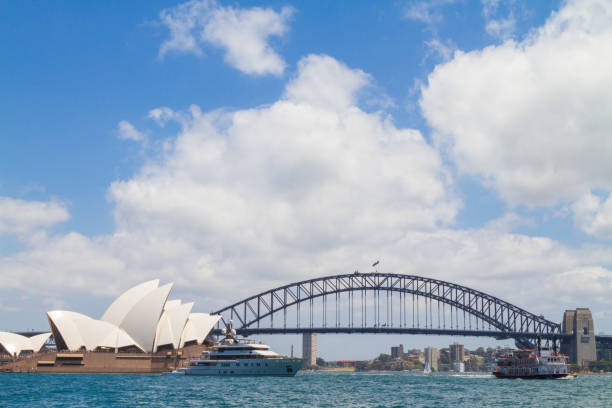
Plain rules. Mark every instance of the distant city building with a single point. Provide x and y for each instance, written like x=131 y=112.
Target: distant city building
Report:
x=346 y=363
x=458 y=367
x=397 y=352
x=418 y=354
x=604 y=351
x=309 y=349
x=457 y=352
x=432 y=357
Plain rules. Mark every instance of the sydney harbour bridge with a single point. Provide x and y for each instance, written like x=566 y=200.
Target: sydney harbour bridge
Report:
x=395 y=304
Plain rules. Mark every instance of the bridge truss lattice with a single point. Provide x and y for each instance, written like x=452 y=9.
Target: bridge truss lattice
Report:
x=384 y=303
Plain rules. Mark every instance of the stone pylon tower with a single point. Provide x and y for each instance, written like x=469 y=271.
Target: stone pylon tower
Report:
x=581 y=348
x=309 y=349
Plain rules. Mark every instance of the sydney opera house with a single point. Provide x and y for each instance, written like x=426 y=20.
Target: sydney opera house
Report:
x=141 y=331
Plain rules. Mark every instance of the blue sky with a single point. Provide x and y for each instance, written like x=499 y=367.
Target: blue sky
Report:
x=81 y=68
x=211 y=143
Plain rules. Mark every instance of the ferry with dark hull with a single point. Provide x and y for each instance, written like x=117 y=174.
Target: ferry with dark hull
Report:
x=533 y=364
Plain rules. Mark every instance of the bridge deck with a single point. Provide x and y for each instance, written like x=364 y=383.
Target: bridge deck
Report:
x=392 y=330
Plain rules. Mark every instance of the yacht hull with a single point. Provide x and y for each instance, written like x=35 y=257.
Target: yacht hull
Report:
x=280 y=367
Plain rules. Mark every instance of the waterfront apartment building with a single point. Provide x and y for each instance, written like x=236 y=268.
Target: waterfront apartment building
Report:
x=397 y=351
x=432 y=356
x=457 y=352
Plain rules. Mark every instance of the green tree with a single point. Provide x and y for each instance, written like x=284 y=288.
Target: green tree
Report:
x=384 y=357
x=361 y=365
x=474 y=364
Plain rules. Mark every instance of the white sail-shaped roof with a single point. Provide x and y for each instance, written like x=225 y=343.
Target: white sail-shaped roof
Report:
x=170 y=304
x=15 y=343
x=78 y=330
x=119 y=309
x=198 y=326
x=140 y=322
x=65 y=324
x=172 y=323
x=142 y=317
x=117 y=338
x=39 y=340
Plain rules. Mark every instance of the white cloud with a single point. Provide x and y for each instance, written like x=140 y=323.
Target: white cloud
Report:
x=497 y=25
x=127 y=131
x=324 y=82
x=242 y=33
x=590 y=282
x=594 y=216
x=532 y=119
x=501 y=28
x=53 y=265
x=310 y=185
x=425 y=11
x=500 y=20
x=507 y=223
x=526 y=271
x=489 y=7
x=161 y=115
x=444 y=50
x=19 y=217
x=295 y=180
x=265 y=195
x=182 y=21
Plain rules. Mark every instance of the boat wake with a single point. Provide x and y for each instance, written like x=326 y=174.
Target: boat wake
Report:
x=473 y=375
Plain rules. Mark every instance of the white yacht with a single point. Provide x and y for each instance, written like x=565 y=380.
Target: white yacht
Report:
x=233 y=357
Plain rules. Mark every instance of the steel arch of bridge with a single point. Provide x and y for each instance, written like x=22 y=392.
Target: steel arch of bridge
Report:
x=506 y=319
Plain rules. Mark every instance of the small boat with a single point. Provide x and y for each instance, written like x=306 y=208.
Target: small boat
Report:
x=427 y=369
x=178 y=371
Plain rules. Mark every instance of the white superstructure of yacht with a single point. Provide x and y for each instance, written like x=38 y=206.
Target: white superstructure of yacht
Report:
x=235 y=357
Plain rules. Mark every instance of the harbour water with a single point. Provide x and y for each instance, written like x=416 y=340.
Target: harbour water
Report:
x=305 y=389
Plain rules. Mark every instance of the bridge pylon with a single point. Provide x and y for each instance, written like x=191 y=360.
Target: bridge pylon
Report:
x=309 y=349
x=581 y=346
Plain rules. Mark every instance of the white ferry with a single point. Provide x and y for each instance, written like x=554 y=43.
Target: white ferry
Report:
x=540 y=363
x=235 y=357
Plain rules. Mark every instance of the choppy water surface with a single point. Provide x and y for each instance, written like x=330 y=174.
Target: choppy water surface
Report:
x=305 y=389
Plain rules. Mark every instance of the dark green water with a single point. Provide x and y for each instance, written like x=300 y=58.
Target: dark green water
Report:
x=305 y=389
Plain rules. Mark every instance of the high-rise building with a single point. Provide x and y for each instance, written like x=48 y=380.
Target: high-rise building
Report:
x=397 y=352
x=457 y=352
x=309 y=349
x=432 y=356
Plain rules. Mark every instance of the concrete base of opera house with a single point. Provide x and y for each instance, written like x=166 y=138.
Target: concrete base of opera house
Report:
x=102 y=362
